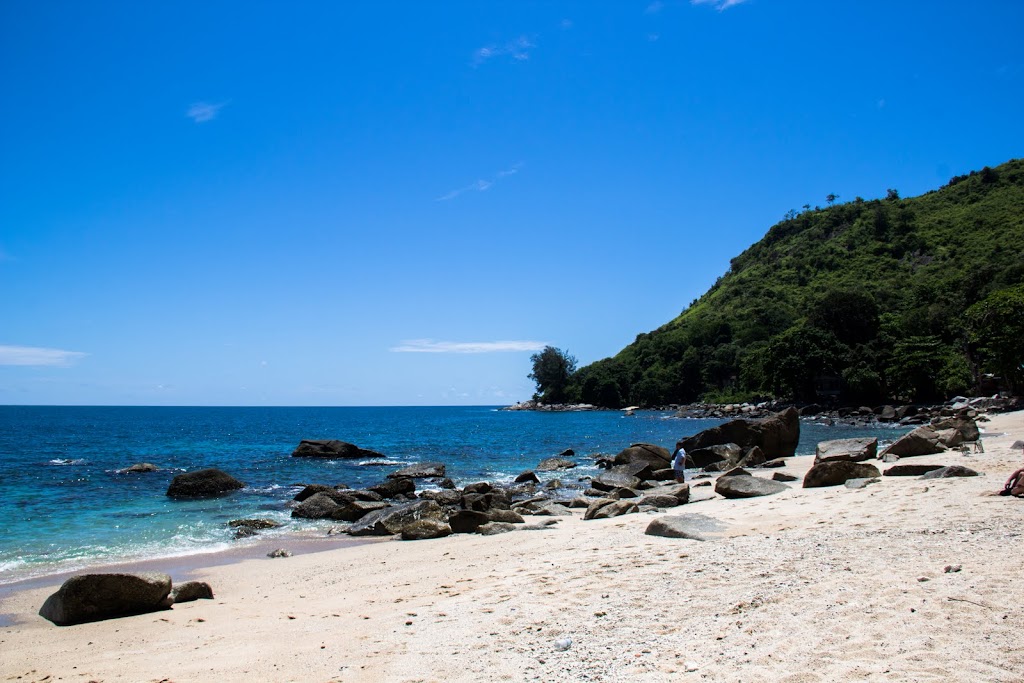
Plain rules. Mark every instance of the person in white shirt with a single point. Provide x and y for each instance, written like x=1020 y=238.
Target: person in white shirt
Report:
x=679 y=463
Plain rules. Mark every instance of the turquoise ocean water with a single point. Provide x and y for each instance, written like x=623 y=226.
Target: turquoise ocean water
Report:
x=64 y=506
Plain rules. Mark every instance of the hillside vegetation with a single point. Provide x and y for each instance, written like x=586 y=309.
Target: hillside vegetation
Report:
x=910 y=299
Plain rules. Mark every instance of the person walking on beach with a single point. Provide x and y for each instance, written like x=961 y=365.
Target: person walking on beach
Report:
x=679 y=462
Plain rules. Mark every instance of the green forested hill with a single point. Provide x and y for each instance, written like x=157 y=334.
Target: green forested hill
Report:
x=910 y=299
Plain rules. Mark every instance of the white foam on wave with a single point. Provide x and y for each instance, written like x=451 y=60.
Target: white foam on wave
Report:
x=380 y=463
x=68 y=461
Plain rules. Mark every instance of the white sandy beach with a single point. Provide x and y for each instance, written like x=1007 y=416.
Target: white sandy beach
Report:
x=829 y=584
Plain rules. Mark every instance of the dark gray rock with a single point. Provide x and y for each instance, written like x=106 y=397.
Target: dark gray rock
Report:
x=527 y=476
x=854 y=450
x=191 y=590
x=139 y=468
x=656 y=456
x=746 y=486
x=278 y=553
x=420 y=470
x=735 y=472
x=332 y=449
x=478 y=487
x=423 y=529
x=910 y=470
x=777 y=462
x=494 y=528
x=392 y=520
x=729 y=453
x=556 y=463
x=257 y=524
x=568 y=452
x=754 y=457
x=949 y=472
x=605 y=508
x=1017 y=445
x=837 y=473
x=203 y=484
x=922 y=441
x=777 y=436
x=468 y=521
x=394 y=487
x=782 y=476
x=511 y=516
x=658 y=500
x=443 y=497
x=92 y=597
x=674 y=526
x=612 y=479
x=310 y=491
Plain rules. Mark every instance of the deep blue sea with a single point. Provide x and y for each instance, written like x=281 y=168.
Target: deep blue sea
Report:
x=65 y=506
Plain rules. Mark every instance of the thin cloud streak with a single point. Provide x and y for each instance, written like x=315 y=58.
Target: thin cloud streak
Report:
x=518 y=49
x=480 y=185
x=201 y=112
x=720 y=5
x=37 y=356
x=431 y=346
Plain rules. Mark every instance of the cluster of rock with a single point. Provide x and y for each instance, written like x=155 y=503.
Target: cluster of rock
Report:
x=907 y=415
x=553 y=407
x=638 y=478
x=94 y=597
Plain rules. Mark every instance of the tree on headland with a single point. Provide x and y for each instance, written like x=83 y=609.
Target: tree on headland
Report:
x=831 y=198
x=552 y=369
x=996 y=328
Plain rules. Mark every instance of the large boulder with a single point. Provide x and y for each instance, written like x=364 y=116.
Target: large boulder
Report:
x=394 y=487
x=202 y=484
x=922 y=441
x=614 y=479
x=468 y=521
x=837 y=472
x=92 y=597
x=311 y=490
x=420 y=470
x=392 y=520
x=674 y=526
x=746 y=486
x=777 y=436
x=854 y=450
x=332 y=448
x=556 y=463
x=720 y=452
x=656 y=456
x=956 y=430
x=423 y=529
x=604 y=508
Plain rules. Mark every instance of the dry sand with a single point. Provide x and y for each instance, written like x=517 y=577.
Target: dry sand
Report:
x=830 y=584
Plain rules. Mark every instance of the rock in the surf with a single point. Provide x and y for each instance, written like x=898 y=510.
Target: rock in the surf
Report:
x=332 y=448
x=202 y=484
x=92 y=597
x=392 y=520
x=420 y=470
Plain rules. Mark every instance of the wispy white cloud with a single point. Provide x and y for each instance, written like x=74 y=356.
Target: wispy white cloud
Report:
x=654 y=7
x=201 y=112
x=33 y=355
x=518 y=50
x=720 y=5
x=481 y=185
x=432 y=346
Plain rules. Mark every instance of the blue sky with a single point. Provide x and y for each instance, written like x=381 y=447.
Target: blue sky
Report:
x=363 y=203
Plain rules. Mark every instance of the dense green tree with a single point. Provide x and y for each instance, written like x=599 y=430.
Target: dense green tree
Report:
x=552 y=369
x=996 y=329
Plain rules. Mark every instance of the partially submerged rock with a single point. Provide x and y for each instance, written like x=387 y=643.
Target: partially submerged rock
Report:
x=420 y=470
x=92 y=597
x=139 y=468
x=332 y=448
x=556 y=463
x=202 y=484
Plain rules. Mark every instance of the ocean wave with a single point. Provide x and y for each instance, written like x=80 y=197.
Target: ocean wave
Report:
x=68 y=461
x=381 y=463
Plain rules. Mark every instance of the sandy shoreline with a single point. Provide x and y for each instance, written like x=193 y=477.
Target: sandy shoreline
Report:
x=807 y=585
